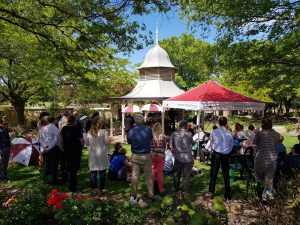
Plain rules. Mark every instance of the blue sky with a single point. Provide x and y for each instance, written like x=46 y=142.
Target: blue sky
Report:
x=168 y=25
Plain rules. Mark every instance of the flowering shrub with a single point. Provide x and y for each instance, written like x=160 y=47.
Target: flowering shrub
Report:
x=56 y=199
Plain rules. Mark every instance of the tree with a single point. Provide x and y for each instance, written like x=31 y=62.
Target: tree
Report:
x=78 y=28
x=272 y=18
x=26 y=70
x=48 y=44
x=258 y=45
x=193 y=58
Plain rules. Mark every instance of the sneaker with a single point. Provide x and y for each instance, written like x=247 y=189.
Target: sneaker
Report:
x=269 y=195
x=142 y=204
x=132 y=200
x=264 y=196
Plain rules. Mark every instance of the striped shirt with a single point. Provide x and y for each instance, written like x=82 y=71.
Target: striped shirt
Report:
x=159 y=145
x=267 y=142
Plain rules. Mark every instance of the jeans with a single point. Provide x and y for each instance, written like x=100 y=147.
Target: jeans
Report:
x=217 y=160
x=4 y=158
x=157 y=168
x=93 y=179
x=141 y=161
x=179 y=169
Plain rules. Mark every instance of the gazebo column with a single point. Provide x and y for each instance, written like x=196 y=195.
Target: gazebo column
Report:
x=123 y=122
x=111 y=121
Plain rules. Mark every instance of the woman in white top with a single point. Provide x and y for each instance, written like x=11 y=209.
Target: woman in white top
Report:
x=98 y=141
x=199 y=135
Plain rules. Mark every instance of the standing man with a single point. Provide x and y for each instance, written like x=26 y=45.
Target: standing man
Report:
x=140 y=138
x=72 y=142
x=4 y=152
x=222 y=143
x=181 y=146
x=49 y=142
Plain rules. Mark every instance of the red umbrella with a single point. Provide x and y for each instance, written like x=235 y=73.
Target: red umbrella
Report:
x=131 y=109
x=152 y=107
x=25 y=151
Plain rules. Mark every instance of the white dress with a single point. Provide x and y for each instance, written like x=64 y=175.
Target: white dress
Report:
x=98 y=150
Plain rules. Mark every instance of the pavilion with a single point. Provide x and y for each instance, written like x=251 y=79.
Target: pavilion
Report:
x=156 y=80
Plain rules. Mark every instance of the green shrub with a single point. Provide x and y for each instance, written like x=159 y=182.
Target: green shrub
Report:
x=29 y=207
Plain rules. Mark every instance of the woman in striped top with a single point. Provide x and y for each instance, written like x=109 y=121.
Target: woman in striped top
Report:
x=265 y=162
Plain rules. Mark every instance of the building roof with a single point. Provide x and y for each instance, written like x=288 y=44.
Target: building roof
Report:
x=212 y=96
x=156 y=57
x=153 y=89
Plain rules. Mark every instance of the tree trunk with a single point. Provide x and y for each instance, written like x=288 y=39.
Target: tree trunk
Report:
x=19 y=105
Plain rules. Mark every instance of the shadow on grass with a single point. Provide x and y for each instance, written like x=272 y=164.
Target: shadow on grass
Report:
x=27 y=177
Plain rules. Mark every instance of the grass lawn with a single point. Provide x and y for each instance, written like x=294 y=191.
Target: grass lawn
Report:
x=22 y=176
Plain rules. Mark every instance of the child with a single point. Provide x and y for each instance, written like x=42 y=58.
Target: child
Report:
x=117 y=147
x=281 y=149
x=119 y=166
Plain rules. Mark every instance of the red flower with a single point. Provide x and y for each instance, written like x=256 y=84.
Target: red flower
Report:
x=54 y=191
x=51 y=201
x=65 y=195
x=58 y=204
x=79 y=197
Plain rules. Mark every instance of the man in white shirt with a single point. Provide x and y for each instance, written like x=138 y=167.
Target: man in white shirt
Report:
x=49 y=143
x=222 y=143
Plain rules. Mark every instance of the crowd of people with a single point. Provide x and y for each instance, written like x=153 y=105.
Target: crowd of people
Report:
x=154 y=154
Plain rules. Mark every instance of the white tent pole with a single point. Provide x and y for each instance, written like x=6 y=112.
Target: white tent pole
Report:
x=163 y=121
x=202 y=119
x=198 y=117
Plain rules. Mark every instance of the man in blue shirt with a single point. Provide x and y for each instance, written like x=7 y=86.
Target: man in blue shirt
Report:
x=222 y=143
x=140 y=138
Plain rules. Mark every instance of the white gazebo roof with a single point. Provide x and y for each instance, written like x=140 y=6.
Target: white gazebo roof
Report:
x=156 y=57
x=153 y=89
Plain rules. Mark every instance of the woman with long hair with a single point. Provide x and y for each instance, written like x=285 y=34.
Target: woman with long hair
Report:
x=98 y=141
x=158 y=146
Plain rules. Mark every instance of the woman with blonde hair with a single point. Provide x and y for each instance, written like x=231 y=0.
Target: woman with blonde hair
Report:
x=98 y=141
x=158 y=146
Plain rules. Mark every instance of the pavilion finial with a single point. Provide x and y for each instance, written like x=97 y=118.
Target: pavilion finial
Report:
x=156 y=41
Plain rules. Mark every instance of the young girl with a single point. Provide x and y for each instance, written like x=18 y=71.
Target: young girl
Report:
x=98 y=141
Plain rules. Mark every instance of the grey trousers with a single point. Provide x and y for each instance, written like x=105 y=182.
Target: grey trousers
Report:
x=265 y=173
x=179 y=169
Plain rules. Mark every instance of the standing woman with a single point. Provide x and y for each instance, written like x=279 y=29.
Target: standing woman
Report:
x=98 y=141
x=158 y=146
x=265 y=162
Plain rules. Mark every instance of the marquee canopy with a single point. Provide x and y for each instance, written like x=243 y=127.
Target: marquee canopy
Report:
x=212 y=96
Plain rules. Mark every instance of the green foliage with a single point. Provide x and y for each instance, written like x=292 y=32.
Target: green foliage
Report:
x=54 y=108
x=193 y=58
x=29 y=207
x=271 y=18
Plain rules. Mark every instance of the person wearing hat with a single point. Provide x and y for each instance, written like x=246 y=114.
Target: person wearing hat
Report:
x=140 y=138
